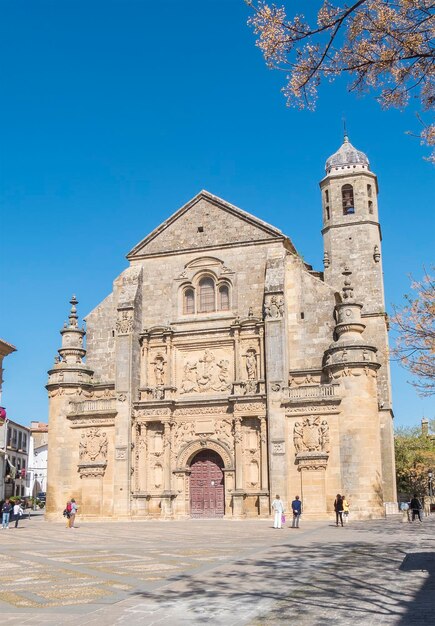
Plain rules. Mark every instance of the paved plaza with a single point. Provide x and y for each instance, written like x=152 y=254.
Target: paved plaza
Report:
x=218 y=572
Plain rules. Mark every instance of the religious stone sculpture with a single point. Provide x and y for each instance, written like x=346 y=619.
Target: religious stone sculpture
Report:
x=93 y=446
x=311 y=435
x=159 y=371
x=251 y=364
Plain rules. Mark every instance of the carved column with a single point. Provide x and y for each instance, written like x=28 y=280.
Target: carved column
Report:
x=237 y=365
x=263 y=452
x=238 y=493
x=264 y=499
x=145 y=354
x=238 y=452
x=168 y=495
x=170 y=378
x=261 y=359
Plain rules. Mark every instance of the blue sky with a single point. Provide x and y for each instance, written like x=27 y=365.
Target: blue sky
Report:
x=113 y=114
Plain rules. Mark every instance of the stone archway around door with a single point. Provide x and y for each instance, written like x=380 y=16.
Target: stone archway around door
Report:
x=207 y=489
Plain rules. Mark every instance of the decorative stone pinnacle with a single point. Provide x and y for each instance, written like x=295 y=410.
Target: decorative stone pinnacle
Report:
x=73 y=317
x=347 y=289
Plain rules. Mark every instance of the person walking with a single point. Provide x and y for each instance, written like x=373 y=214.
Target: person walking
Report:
x=297 y=510
x=345 y=510
x=73 y=513
x=6 y=513
x=67 y=512
x=415 y=506
x=278 y=508
x=18 y=511
x=338 y=508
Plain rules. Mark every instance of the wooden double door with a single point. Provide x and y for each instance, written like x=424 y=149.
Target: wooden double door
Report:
x=207 y=485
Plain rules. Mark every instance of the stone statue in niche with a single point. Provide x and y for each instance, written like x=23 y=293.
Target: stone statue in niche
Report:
x=159 y=371
x=251 y=364
x=311 y=435
x=93 y=446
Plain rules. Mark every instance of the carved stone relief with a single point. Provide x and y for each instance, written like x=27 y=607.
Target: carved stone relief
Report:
x=205 y=374
x=93 y=446
x=273 y=307
x=311 y=435
x=124 y=323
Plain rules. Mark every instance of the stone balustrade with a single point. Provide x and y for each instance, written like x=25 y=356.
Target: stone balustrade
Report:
x=102 y=405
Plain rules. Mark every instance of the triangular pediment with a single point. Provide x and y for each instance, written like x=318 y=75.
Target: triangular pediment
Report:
x=205 y=223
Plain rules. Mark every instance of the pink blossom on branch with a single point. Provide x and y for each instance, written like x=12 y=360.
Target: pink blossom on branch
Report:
x=383 y=45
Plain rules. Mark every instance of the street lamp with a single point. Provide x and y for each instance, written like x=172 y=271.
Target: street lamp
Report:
x=430 y=476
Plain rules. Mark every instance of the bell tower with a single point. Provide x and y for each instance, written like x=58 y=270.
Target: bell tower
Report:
x=352 y=239
x=351 y=230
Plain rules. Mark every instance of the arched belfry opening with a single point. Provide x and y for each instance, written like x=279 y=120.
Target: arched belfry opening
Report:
x=207 y=489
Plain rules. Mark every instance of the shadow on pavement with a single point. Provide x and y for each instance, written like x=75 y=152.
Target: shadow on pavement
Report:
x=353 y=582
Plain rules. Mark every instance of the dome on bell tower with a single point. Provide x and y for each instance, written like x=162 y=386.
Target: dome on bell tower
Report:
x=346 y=157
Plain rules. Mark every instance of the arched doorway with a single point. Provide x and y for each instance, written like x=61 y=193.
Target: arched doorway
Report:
x=207 y=485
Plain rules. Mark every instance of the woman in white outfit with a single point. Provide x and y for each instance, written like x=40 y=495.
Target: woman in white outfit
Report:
x=278 y=508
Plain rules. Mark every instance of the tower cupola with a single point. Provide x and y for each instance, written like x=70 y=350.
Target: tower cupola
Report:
x=346 y=158
x=72 y=350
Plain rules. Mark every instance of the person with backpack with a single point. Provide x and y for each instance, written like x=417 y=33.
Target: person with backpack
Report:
x=6 y=513
x=415 y=506
x=67 y=513
x=338 y=508
x=73 y=512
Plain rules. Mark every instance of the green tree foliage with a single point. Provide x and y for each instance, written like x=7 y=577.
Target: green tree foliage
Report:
x=415 y=457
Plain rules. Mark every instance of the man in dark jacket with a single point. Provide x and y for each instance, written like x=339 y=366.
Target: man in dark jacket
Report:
x=297 y=510
x=6 y=513
x=415 y=506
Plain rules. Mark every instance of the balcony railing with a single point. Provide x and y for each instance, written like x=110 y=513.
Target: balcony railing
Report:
x=314 y=392
x=93 y=406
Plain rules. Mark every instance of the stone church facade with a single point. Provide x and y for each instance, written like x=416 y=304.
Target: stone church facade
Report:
x=222 y=369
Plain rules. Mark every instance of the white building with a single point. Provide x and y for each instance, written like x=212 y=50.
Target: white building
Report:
x=38 y=450
x=5 y=349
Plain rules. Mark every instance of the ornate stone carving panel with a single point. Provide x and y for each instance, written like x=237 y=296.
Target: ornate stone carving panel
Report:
x=93 y=446
x=205 y=371
x=125 y=322
x=311 y=435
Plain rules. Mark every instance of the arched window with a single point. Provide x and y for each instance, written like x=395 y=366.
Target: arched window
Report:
x=347 y=199
x=370 y=206
x=326 y=196
x=189 y=302
x=369 y=191
x=224 y=298
x=327 y=213
x=206 y=295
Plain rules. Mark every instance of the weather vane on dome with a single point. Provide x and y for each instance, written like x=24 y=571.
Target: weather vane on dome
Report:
x=346 y=138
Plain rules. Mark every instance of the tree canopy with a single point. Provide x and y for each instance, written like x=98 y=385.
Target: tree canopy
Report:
x=382 y=45
x=414 y=327
x=415 y=457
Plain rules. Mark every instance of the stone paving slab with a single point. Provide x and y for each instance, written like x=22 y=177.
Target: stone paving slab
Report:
x=218 y=572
